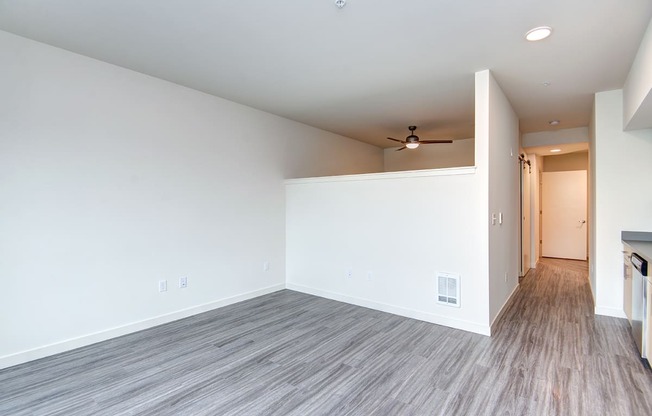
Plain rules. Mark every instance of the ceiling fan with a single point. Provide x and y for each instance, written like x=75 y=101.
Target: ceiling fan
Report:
x=412 y=141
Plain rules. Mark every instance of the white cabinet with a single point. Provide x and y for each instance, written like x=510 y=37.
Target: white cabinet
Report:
x=627 y=274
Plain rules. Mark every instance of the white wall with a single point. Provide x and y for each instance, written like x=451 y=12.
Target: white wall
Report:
x=111 y=180
x=404 y=228
x=591 y=198
x=566 y=162
x=554 y=137
x=497 y=125
x=535 y=208
x=622 y=165
x=637 y=92
x=432 y=156
x=310 y=152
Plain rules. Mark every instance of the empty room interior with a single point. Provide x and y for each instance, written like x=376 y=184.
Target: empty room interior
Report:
x=334 y=207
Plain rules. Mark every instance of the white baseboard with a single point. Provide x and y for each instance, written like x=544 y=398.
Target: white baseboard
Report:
x=502 y=310
x=396 y=310
x=608 y=311
x=71 y=344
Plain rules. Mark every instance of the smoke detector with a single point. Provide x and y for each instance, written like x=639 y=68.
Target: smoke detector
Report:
x=340 y=3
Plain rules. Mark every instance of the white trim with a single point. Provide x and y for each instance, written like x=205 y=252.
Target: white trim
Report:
x=502 y=310
x=469 y=170
x=608 y=311
x=396 y=310
x=591 y=287
x=535 y=263
x=84 y=340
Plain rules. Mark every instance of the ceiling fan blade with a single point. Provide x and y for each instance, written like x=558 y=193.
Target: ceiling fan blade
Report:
x=400 y=141
x=401 y=148
x=435 y=141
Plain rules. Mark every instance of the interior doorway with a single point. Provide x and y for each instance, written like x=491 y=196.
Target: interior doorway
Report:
x=568 y=157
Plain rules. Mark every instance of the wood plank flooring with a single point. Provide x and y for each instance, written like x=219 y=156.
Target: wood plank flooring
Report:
x=293 y=354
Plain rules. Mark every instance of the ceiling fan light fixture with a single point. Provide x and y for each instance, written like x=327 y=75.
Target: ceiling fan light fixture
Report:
x=412 y=141
x=538 y=33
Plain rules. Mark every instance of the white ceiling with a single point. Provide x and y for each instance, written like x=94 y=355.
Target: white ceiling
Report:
x=366 y=71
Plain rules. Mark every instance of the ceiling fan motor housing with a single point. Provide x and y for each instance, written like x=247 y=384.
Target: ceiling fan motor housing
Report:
x=411 y=138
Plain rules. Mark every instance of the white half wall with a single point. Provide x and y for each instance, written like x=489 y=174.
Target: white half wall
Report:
x=392 y=232
x=432 y=156
x=111 y=180
x=621 y=163
x=379 y=240
x=497 y=144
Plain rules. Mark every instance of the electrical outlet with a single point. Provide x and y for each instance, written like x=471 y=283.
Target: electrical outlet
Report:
x=183 y=282
x=162 y=285
x=349 y=274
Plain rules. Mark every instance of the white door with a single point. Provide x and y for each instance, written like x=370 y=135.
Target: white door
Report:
x=526 y=242
x=564 y=214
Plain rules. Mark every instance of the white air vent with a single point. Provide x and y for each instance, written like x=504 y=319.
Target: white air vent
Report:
x=448 y=289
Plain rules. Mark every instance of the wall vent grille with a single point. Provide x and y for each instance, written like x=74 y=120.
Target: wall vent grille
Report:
x=448 y=289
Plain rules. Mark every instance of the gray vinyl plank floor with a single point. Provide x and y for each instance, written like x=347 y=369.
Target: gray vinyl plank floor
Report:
x=289 y=353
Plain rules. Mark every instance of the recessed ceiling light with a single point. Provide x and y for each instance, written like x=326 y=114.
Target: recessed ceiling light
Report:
x=555 y=150
x=538 y=33
x=547 y=84
x=553 y=122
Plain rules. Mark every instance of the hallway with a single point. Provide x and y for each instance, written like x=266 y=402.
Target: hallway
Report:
x=289 y=353
x=559 y=351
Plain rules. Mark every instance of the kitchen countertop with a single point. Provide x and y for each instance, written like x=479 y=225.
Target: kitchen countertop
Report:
x=640 y=242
